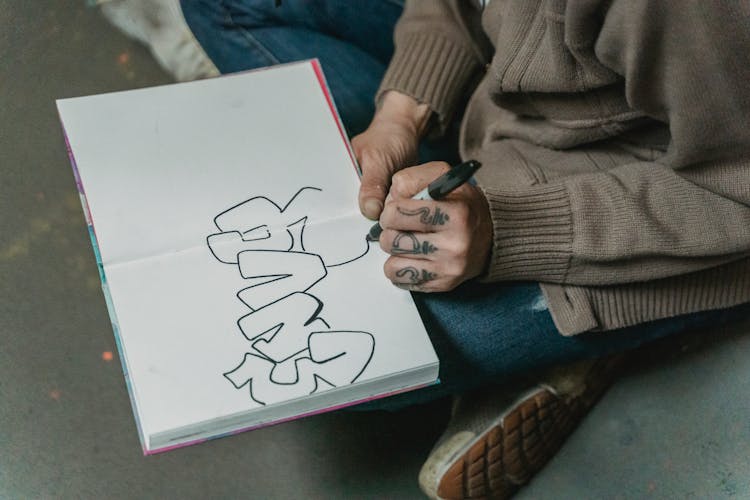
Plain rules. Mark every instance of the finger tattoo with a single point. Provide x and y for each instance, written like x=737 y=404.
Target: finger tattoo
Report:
x=425 y=217
x=407 y=244
x=414 y=276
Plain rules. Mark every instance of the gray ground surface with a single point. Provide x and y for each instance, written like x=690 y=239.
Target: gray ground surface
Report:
x=674 y=430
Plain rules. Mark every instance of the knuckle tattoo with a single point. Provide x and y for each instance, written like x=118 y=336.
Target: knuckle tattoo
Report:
x=413 y=277
x=406 y=243
x=427 y=216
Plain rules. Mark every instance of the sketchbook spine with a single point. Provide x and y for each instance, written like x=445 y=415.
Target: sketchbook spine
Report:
x=104 y=285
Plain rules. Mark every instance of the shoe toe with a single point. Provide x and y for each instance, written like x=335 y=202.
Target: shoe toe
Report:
x=433 y=470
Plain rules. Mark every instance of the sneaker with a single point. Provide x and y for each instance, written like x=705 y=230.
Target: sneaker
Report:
x=161 y=26
x=493 y=445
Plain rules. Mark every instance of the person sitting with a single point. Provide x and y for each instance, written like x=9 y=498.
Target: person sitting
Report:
x=612 y=208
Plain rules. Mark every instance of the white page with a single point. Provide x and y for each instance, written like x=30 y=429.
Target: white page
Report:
x=197 y=189
x=156 y=161
x=177 y=358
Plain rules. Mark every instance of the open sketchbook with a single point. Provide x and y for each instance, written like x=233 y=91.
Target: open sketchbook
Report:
x=242 y=291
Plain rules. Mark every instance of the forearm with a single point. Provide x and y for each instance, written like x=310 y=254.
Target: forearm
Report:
x=439 y=47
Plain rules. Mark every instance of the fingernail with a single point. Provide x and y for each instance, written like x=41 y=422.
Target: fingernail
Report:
x=373 y=208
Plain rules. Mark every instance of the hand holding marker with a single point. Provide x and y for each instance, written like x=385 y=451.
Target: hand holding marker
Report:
x=438 y=188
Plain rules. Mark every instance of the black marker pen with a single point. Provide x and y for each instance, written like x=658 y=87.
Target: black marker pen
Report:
x=438 y=188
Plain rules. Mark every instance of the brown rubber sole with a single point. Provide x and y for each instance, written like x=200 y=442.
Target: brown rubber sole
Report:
x=506 y=456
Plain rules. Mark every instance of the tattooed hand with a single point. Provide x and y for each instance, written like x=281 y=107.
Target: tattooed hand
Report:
x=434 y=245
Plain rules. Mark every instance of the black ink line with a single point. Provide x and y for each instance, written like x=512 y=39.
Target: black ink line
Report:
x=317 y=377
x=273 y=360
x=296 y=369
x=297 y=194
x=276 y=329
x=301 y=232
x=210 y=248
x=309 y=320
x=367 y=249
x=276 y=277
x=252 y=396
x=280 y=208
x=365 y=364
x=248 y=382
x=319 y=308
x=325 y=273
x=268 y=233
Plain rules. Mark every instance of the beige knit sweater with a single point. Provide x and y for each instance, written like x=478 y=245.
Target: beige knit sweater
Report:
x=615 y=138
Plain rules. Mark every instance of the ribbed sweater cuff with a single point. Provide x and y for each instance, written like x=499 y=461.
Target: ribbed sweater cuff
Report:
x=431 y=68
x=533 y=234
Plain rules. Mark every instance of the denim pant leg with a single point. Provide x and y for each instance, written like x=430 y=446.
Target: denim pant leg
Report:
x=491 y=333
x=352 y=40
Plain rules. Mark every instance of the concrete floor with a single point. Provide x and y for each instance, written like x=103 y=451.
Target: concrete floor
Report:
x=674 y=429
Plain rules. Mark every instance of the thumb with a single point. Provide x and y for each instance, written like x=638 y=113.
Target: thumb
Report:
x=409 y=181
x=375 y=182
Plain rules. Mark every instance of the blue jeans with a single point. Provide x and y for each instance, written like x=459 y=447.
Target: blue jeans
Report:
x=482 y=333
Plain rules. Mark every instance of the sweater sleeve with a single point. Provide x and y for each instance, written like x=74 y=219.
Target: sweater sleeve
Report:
x=686 y=64
x=439 y=47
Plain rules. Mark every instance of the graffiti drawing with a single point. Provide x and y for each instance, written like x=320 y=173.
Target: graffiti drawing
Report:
x=292 y=351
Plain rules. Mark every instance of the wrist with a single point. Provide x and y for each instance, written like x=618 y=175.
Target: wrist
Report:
x=405 y=110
